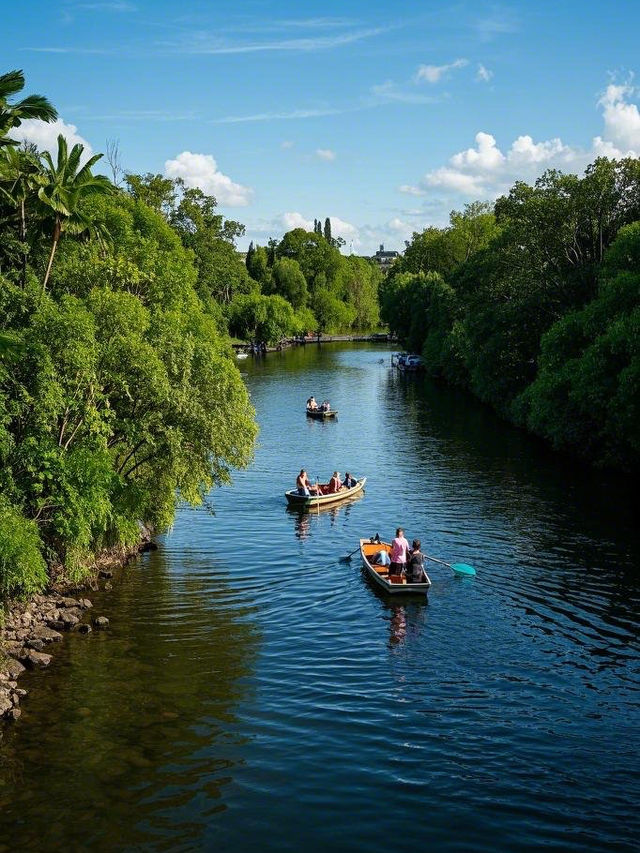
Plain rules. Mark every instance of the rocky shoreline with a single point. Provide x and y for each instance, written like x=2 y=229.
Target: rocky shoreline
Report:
x=31 y=629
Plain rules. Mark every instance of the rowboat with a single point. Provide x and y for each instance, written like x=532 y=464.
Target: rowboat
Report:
x=320 y=414
x=380 y=574
x=313 y=501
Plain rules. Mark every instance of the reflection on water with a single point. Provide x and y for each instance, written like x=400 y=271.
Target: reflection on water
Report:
x=303 y=519
x=254 y=690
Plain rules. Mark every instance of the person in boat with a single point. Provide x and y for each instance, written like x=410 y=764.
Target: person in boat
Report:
x=335 y=484
x=415 y=564
x=349 y=481
x=381 y=558
x=311 y=403
x=303 y=485
x=399 y=553
x=325 y=406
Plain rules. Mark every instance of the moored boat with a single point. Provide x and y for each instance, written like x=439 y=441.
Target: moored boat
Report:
x=313 y=501
x=321 y=414
x=380 y=574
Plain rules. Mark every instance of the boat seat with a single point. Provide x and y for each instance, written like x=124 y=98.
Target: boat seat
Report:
x=396 y=579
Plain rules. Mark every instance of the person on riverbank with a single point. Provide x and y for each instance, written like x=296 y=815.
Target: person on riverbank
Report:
x=303 y=485
x=349 y=481
x=399 y=553
x=415 y=564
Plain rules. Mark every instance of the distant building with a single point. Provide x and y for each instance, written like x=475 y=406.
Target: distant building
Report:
x=384 y=259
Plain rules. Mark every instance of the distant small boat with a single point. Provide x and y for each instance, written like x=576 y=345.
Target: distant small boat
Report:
x=321 y=414
x=380 y=574
x=313 y=501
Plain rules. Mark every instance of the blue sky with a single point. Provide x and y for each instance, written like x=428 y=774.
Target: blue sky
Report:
x=384 y=116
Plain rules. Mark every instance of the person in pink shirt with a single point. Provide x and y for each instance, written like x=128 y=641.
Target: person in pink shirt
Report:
x=399 y=552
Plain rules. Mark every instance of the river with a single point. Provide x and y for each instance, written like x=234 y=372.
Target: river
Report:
x=254 y=692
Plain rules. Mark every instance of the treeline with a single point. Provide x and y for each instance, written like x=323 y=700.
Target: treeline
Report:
x=119 y=395
x=534 y=305
x=327 y=291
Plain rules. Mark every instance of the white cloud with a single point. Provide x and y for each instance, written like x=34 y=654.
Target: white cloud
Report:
x=410 y=190
x=201 y=170
x=325 y=154
x=434 y=73
x=621 y=119
x=296 y=220
x=348 y=232
x=45 y=135
x=524 y=150
x=483 y=74
x=486 y=171
x=486 y=157
x=286 y=143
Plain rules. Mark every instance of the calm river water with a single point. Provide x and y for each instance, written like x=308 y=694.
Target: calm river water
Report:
x=254 y=693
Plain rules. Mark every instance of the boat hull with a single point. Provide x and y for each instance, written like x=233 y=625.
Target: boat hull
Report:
x=379 y=574
x=320 y=415
x=303 y=502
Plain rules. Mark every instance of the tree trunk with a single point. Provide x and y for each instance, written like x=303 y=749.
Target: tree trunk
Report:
x=56 y=237
x=23 y=240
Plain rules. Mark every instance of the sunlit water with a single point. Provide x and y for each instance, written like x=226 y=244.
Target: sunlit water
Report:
x=255 y=693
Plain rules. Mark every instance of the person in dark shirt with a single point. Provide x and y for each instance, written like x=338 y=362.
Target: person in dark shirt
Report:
x=349 y=481
x=415 y=566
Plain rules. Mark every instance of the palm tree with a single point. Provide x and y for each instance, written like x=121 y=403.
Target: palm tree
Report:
x=18 y=170
x=12 y=115
x=64 y=187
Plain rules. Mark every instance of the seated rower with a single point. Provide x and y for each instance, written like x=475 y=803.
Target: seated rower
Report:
x=349 y=481
x=302 y=484
x=311 y=403
x=325 y=406
x=335 y=484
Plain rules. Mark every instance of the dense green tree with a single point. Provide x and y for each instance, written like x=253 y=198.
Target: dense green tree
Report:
x=327 y=230
x=259 y=269
x=289 y=282
x=155 y=191
x=357 y=282
x=318 y=260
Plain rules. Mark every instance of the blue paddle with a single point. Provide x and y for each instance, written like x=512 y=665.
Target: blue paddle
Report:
x=458 y=568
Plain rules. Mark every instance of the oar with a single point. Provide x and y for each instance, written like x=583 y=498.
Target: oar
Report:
x=347 y=557
x=458 y=568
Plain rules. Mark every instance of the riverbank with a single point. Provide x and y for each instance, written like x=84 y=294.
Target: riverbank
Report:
x=30 y=630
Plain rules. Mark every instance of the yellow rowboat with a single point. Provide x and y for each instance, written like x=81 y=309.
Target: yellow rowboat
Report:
x=312 y=501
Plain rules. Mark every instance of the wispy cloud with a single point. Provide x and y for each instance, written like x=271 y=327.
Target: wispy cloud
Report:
x=106 y=7
x=499 y=22
x=204 y=43
x=483 y=74
x=435 y=73
x=293 y=114
x=325 y=154
x=87 y=50
x=390 y=91
x=146 y=116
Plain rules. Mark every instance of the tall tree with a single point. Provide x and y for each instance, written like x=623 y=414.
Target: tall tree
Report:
x=13 y=114
x=64 y=186
x=327 y=230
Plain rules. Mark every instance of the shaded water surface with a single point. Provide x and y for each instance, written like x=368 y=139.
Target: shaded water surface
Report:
x=254 y=692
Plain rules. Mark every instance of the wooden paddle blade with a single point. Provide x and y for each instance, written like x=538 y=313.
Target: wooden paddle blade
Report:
x=463 y=569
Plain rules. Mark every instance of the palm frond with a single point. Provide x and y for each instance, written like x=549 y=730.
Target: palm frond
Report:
x=11 y=83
